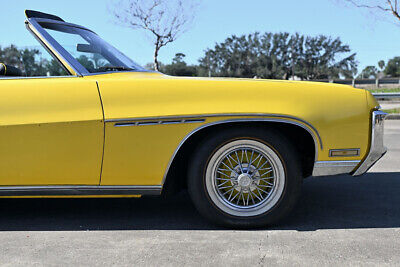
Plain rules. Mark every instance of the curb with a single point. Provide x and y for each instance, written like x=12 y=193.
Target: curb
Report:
x=393 y=117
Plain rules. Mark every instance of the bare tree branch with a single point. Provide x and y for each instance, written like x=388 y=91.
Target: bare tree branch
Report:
x=368 y=6
x=394 y=9
x=390 y=6
x=166 y=20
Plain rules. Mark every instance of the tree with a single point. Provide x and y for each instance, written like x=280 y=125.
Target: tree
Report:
x=369 y=72
x=53 y=68
x=86 y=63
x=165 y=20
x=393 y=67
x=30 y=62
x=179 y=67
x=320 y=59
x=279 y=56
x=32 y=66
x=264 y=56
x=12 y=56
x=381 y=64
x=387 y=6
x=150 y=66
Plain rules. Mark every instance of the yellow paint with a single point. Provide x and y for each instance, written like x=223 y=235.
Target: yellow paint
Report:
x=139 y=155
x=51 y=129
x=51 y=132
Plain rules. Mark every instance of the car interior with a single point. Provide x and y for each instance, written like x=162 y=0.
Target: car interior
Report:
x=7 y=70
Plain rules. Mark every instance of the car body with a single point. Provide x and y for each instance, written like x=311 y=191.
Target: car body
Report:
x=132 y=132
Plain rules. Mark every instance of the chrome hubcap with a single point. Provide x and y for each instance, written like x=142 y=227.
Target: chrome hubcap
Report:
x=245 y=178
x=244 y=181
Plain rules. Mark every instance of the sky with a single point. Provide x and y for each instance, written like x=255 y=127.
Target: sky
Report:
x=372 y=37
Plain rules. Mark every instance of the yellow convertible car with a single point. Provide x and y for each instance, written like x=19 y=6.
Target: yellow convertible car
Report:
x=112 y=129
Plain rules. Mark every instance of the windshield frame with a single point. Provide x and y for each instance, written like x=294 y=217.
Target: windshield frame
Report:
x=58 y=52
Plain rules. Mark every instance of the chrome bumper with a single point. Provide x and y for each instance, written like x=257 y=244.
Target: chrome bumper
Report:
x=327 y=168
x=377 y=149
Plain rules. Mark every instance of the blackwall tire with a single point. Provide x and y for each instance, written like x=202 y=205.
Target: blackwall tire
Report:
x=245 y=177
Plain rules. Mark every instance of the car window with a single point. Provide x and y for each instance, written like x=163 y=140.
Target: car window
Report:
x=92 y=52
x=81 y=50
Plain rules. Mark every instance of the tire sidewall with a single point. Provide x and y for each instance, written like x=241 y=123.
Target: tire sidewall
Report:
x=201 y=158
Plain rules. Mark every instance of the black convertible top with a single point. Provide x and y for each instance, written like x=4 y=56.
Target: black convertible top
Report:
x=37 y=14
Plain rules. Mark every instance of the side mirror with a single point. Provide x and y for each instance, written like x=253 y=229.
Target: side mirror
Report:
x=6 y=70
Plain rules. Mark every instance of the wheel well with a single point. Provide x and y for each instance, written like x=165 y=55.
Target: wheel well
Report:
x=301 y=139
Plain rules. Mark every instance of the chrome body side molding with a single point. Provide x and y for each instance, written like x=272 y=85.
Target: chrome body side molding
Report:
x=155 y=122
x=377 y=149
x=197 y=118
x=79 y=190
x=283 y=118
x=273 y=118
x=325 y=168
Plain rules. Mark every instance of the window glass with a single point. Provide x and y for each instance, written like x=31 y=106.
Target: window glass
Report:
x=92 y=52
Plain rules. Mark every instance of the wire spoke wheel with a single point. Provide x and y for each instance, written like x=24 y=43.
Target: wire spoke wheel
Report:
x=245 y=178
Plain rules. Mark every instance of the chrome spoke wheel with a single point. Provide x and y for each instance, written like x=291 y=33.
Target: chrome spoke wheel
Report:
x=245 y=178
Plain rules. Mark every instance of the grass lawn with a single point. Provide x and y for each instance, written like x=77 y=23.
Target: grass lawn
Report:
x=392 y=111
x=385 y=90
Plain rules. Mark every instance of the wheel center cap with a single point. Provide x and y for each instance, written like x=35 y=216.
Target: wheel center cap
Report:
x=244 y=180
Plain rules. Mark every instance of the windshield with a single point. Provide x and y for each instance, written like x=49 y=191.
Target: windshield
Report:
x=92 y=52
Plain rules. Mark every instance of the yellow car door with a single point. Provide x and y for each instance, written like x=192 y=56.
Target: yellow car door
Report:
x=51 y=131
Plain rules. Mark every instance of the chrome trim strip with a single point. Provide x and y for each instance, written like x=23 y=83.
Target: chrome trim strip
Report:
x=172 y=122
x=54 y=48
x=125 y=71
x=347 y=149
x=144 y=123
x=283 y=120
x=325 y=168
x=79 y=190
x=125 y=124
x=152 y=122
x=273 y=116
x=37 y=77
x=377 y=149
x=195 y=121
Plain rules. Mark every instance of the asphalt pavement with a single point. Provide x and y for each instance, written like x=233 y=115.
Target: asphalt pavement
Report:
x=339 y=220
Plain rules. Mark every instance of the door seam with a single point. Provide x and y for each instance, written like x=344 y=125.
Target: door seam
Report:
x=104 y=132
